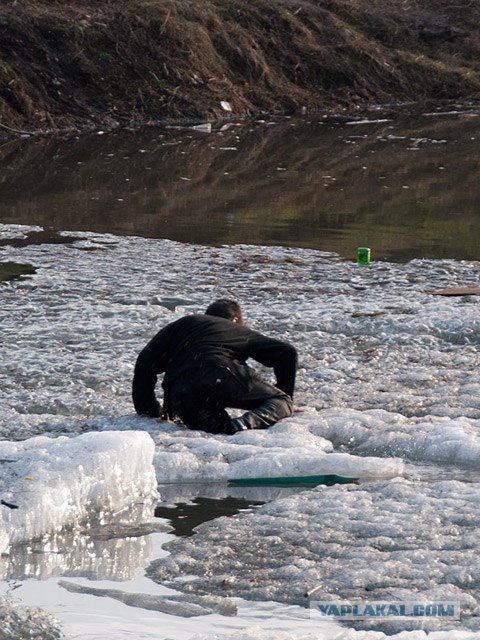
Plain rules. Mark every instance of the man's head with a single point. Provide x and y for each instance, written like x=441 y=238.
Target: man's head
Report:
x=224 y=308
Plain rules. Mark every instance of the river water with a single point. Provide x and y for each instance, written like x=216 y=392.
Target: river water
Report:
x=407 y=186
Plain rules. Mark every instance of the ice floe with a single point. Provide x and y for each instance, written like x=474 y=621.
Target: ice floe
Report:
x=286 y=450
x=52 y=483
x=257 y=633
x=434 y=439
x=22 y=623
x=172 y=604
x=399 y=540
x=368 y=337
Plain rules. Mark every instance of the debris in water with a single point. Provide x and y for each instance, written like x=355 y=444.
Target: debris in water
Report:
x=206 y=127
x=457 y=291
x=9 y=504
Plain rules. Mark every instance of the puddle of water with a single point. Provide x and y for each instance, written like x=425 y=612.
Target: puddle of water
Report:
x=407 y=187
x=15 y=271
x=113 y=619
x=184 y=517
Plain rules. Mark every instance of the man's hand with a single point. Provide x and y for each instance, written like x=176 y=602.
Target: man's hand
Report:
x=302 y=410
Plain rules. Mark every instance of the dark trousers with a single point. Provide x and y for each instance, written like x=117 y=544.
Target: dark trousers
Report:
x=199 y=399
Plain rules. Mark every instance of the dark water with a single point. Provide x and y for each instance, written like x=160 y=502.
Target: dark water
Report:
x=184 y=517
x=14 y=271
x=407 y=188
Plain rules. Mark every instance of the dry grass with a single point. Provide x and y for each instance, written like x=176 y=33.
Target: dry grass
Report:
x=80 y=64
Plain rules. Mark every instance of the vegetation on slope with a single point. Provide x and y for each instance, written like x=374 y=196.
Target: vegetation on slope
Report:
x=87 y=63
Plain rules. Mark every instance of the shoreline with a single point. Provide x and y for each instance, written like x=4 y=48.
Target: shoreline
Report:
x=73 y=67
x=437 y=107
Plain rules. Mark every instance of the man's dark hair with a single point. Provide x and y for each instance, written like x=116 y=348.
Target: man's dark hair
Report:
x=224 y=308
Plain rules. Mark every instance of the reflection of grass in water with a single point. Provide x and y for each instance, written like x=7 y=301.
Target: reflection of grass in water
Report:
x=15 y=271
x=395 y=186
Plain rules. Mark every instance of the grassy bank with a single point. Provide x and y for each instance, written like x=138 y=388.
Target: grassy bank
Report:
x=78 y=64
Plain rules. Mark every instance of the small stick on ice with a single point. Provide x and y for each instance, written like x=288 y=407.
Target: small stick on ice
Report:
x=9 y=504
x=310 y=592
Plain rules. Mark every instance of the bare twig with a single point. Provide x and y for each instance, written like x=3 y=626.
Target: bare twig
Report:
x=24 y=133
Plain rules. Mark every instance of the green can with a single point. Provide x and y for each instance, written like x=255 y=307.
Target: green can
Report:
x=363 y=255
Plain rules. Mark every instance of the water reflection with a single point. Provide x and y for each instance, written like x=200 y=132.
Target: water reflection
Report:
x=121 y=549
x=185 y=517
x=407 y=187
x=77 y=554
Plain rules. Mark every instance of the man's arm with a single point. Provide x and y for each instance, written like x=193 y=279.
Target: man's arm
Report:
x=143 y=389
x=286 y=369
x=279 y=355
x=150 y=362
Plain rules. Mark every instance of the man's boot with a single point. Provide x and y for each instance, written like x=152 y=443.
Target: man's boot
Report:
x=268 y=413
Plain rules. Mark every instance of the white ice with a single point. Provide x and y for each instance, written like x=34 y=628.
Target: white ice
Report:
x=10 y=231
x=22 y=623
x=399 y=540
x=257 y=633
x=288 y=449
x=56 y=483
x=423 y=439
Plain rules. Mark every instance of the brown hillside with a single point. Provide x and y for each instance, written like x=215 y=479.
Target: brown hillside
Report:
x=87 y=63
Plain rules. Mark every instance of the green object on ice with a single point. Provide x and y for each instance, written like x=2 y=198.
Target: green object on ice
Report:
x=295 y=480
x=363 y=255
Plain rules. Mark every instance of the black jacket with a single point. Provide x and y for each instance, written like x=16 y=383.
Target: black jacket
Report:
x=197 y=341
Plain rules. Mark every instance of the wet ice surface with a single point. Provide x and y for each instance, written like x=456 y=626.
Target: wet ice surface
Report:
x=257 y=633
x=390 y=374
x=26 y=622
x=396 y=540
